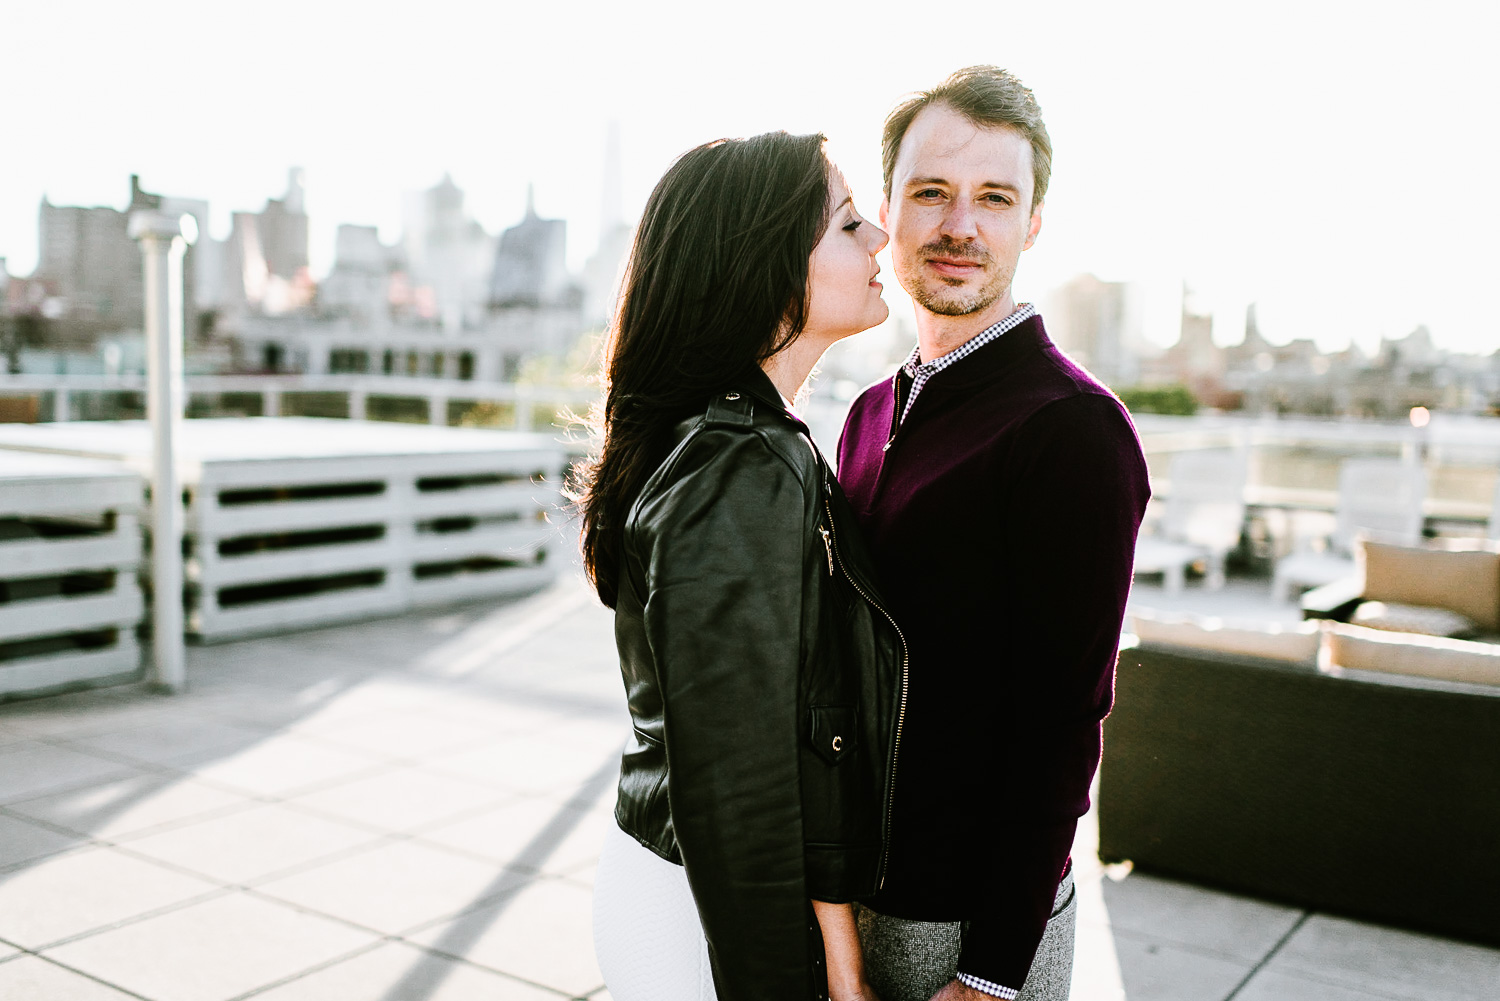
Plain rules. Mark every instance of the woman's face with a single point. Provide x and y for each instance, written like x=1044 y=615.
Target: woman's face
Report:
x=844 y=295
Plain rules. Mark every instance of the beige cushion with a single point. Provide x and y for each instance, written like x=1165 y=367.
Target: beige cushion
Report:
x=1405 y=653
x=1295 y=643
x=1466 y=581
x=1422 y=619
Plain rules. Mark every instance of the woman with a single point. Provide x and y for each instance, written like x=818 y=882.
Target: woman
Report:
x=764 y=682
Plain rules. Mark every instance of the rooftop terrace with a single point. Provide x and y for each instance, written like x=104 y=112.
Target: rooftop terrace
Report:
x=409 y=809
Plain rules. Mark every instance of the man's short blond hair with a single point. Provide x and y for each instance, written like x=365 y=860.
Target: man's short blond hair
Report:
x=987 y=96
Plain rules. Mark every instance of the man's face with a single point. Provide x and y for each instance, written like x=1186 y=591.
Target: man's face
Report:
x=959 y=212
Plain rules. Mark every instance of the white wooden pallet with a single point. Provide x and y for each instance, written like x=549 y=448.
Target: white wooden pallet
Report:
x=70 y=545
x=293 y=522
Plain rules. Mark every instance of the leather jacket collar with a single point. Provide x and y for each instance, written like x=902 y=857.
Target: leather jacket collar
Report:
x=758 y=385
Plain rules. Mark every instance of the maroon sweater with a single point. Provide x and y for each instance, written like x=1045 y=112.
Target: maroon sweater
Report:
x=1002 y=518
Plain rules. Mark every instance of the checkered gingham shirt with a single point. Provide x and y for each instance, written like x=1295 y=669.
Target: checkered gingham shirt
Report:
x=920 y=373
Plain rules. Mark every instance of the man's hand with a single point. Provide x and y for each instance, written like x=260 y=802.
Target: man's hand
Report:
x=957 y=990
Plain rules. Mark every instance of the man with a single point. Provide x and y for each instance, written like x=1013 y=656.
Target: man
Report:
x=1000 y=487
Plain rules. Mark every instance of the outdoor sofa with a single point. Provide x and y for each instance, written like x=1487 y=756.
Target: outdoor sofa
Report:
x=1309 y=765
x=1449 y=587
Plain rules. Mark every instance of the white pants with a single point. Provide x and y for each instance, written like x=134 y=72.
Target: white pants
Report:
x=647 y=935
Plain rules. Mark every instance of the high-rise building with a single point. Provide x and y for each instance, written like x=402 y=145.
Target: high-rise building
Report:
x=1098 y=324
x=359 y=286
x=531 y=266
x=244 y=261
x=264 y=264
x=602 y=272
x=1195 y=358
x=448 y=252
x=90 y=266
x=283 y=229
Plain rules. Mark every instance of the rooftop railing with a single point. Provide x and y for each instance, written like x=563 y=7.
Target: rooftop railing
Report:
x=360 y=397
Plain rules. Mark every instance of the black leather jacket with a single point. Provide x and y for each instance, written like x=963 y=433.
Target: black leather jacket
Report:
x=766 y=688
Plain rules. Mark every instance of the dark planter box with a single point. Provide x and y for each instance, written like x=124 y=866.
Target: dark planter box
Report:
x=1376 y=798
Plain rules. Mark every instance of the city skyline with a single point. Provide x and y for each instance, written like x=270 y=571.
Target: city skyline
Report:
x=1289 y=167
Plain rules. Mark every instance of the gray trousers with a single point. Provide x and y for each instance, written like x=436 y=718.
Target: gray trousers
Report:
x=911 y=960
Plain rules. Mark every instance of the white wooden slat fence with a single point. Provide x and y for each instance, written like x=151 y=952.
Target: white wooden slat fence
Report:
x=70 y=546
x=294 y=522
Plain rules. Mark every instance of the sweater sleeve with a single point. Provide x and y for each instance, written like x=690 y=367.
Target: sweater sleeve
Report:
x=723 y=617
x=1075 y=492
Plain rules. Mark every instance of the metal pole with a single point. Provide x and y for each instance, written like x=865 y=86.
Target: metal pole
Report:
x=162 y=249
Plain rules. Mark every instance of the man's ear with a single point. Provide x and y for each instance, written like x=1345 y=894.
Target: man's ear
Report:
x=885 y=213
x=1035 y=227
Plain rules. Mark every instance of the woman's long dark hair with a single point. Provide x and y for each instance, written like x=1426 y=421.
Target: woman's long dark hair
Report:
x=716 y=284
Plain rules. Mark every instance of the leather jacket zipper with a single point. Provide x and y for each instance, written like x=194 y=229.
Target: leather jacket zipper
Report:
x=832 y=540
x=828 y=545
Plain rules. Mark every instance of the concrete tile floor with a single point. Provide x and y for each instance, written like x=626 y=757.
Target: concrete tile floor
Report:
x=410 y=809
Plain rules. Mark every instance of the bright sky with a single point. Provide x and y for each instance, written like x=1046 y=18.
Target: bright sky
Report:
x=1335 y=161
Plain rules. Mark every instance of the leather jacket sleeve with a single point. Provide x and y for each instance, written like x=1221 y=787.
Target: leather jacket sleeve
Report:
x=722 y=544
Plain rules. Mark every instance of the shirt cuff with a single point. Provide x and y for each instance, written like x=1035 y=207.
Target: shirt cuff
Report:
x=991 y=988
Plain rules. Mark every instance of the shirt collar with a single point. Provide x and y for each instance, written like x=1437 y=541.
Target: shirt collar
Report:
x=914 y=364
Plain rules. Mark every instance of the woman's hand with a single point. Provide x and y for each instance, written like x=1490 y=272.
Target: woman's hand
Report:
x=846 y=963
x=864 y=992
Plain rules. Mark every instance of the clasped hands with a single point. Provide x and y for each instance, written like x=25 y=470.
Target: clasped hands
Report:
x=953 y=990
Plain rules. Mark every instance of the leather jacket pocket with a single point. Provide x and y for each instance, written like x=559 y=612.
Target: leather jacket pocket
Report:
x=641 y=807
x=833 y=731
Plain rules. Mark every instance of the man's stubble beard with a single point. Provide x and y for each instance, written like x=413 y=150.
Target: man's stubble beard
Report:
x=949 y=300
